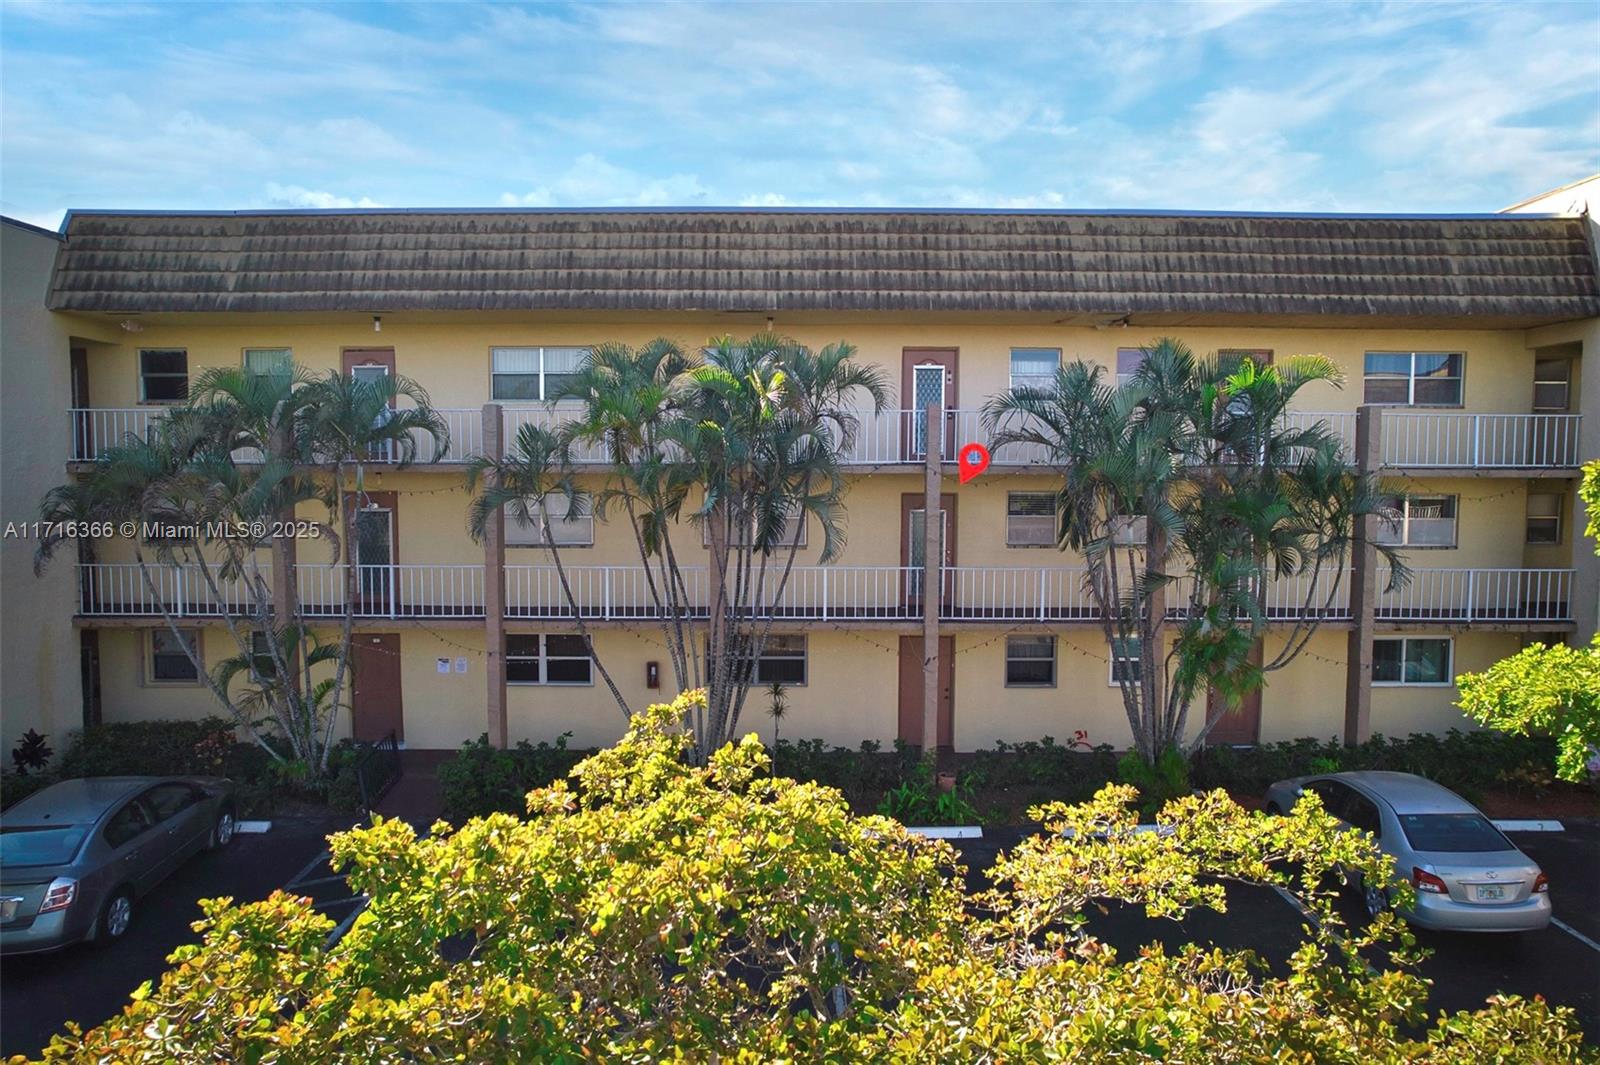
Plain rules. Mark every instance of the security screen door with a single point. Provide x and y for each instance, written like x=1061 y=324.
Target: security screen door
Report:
x=927 y=387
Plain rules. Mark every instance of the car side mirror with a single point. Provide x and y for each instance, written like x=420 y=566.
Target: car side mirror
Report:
x=1299 y=791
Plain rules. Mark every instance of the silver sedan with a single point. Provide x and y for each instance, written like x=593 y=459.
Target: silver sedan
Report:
x=1468 y=876
x=76 y=857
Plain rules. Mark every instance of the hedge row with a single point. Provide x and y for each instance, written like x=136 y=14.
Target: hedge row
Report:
x=482 y=779
x=207 y=747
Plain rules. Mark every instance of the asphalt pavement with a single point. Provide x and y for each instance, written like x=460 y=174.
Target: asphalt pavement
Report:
x=86 y=984
x=40 y=993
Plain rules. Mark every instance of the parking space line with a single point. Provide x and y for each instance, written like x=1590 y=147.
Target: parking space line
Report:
x=312 y=864
x=1305 y=911
x=1575 y=934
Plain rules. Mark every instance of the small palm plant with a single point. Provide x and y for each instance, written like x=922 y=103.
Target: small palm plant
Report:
x=777 y=709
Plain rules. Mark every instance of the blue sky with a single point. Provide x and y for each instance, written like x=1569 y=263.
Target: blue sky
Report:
x=1248 y=105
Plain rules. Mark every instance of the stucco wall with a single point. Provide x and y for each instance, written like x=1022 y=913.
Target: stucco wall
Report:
x=39 y=684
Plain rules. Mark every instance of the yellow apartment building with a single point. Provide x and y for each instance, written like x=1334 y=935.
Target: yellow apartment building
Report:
x=1462 y=339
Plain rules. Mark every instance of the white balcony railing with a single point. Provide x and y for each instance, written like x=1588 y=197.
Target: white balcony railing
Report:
x=1481 y=595
x=120 y=588
x=1454 y=440
x=813 y=593
x=1410 y=439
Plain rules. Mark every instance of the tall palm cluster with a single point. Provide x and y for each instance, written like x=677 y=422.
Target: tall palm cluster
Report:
x=737 y=445
x=244 y=451
x=1232 y=495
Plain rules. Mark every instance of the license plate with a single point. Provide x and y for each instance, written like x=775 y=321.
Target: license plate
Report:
x=1491 y=893
x=8 y=908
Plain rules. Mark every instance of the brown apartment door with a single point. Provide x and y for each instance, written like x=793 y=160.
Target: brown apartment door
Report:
x=1242 y=723
x=911 y=690
x=375 y=700
x=912 y=516
x=927 y=375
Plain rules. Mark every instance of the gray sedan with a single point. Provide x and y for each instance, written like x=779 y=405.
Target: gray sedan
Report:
x=76 y=857
x=1468 y=876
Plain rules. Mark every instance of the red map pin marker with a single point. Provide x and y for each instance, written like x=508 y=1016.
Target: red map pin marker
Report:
x=973 y=460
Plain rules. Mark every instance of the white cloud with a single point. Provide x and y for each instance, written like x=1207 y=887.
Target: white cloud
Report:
x=1206 y=105
x=299 y=196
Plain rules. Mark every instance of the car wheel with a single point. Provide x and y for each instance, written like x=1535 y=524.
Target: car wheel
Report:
x=222 y=832
x=1274 y=810
x=1373 y=898
x=115 y=917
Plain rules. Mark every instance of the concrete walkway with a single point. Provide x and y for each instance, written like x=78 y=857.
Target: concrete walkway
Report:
x=415 y=796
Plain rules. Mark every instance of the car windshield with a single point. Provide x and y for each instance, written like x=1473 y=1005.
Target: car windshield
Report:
x=54 y=845
x=1462 y=833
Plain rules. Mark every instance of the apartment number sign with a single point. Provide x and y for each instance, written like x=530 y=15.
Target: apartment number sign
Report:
x=973 y=460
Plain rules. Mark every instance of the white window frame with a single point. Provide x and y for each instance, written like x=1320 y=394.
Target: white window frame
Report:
x=261 y=655
x=1018 y=524
x=1053 y=660
x=144 y=376
x=543 y=351
x=1124 y=377
x=288 y=358
x=1530 y=517
x=1565 y=383
x=1039 y=381
x=805 y=531
x=1115 y=657
x=1402 y=530
x=804 y=657
x=193 y=635
x=543 y=657
x=1130 y=530
x=1405 y=642
x=550 y=525
x=1411 y=381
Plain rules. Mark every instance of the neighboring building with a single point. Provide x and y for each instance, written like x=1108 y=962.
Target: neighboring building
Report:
x=1580 y=197
x=1472 y=332
x=39 y=685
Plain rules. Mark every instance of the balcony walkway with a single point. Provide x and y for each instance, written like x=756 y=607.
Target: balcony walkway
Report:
x=822 y=594
x=1411 y=439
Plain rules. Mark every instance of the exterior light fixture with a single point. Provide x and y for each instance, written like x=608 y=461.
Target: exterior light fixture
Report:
x=377 y=323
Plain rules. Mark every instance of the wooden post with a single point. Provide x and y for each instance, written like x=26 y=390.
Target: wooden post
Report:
x=932 y=574
x=1363 y=588
x=494 y=587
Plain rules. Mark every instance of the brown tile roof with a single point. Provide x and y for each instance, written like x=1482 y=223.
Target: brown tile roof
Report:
x=1503 y=270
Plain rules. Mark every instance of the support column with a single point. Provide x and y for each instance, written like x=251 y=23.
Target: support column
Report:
x=1363 y=588
x=494 y=587
x=285 y=602
x=932 y=574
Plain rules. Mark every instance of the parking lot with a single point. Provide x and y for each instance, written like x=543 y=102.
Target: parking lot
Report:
x=1562 y=964
x=88 y=985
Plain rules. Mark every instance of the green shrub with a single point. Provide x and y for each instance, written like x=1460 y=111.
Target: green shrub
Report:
x=917 y=800
x=1158 y=784
x=864 y=774
x=1071 y=773
x=14 y=787
x=483 y=779
x=657 y=909
x=207 y=747
x=1467 y=762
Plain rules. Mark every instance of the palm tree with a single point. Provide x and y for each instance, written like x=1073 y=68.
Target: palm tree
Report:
x=247 y=449
x=1232 y=495
x=763 y=423
x=628 y=397
x=347 y=423
x=534 y=471
x=743 y=441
